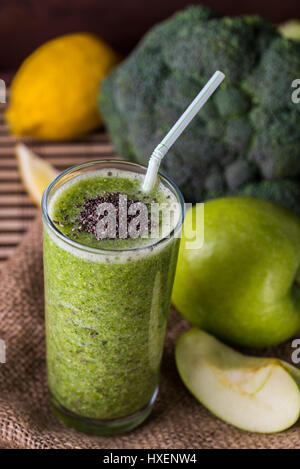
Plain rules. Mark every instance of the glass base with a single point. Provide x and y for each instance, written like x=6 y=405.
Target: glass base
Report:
x=102 y=427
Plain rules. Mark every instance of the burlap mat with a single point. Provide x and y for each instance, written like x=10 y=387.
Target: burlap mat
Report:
x=178 y=420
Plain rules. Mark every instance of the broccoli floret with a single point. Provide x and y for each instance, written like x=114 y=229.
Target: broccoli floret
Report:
x=231 y=102
x=271 y=81
x=284 y=192
x=248 y=131
x=276 y=148
x=116 y=125
x=238 y=173
x=238 y=134
x=214 y=181
x=217 y=43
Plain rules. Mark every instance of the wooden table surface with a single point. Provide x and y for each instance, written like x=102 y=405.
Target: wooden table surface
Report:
x=16 y=209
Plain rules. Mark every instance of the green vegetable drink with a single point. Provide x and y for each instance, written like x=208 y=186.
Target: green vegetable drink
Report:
x=107 y=297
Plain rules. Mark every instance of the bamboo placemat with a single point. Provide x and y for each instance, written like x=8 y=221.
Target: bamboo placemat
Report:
x=16 y=209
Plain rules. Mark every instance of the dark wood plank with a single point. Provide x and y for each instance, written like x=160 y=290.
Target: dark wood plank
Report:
x=25 y=24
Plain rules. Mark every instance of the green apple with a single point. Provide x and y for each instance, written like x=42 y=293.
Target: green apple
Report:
x=243 y=283
x=254 y=394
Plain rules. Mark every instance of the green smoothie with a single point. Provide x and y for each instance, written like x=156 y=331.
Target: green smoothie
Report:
x=107 y=300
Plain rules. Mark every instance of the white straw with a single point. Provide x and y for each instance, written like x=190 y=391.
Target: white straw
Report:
x=178 y=128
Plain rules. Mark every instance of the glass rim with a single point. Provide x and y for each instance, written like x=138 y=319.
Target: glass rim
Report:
x=94 y=250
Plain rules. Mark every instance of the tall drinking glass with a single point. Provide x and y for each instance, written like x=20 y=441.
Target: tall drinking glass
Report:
x=106 y=307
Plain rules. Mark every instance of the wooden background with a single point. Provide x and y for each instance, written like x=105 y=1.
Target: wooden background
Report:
x=25 y=24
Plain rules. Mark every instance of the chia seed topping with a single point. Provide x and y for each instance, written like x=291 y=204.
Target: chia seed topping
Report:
x=88 y=217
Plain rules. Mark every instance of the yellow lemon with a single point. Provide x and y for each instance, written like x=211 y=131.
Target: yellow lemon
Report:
x=54 y=92
x=291 y=29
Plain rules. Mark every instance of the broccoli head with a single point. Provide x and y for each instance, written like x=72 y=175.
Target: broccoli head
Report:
x=246 y=133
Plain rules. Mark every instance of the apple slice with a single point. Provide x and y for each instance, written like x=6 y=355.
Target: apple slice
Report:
x=254 y=394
